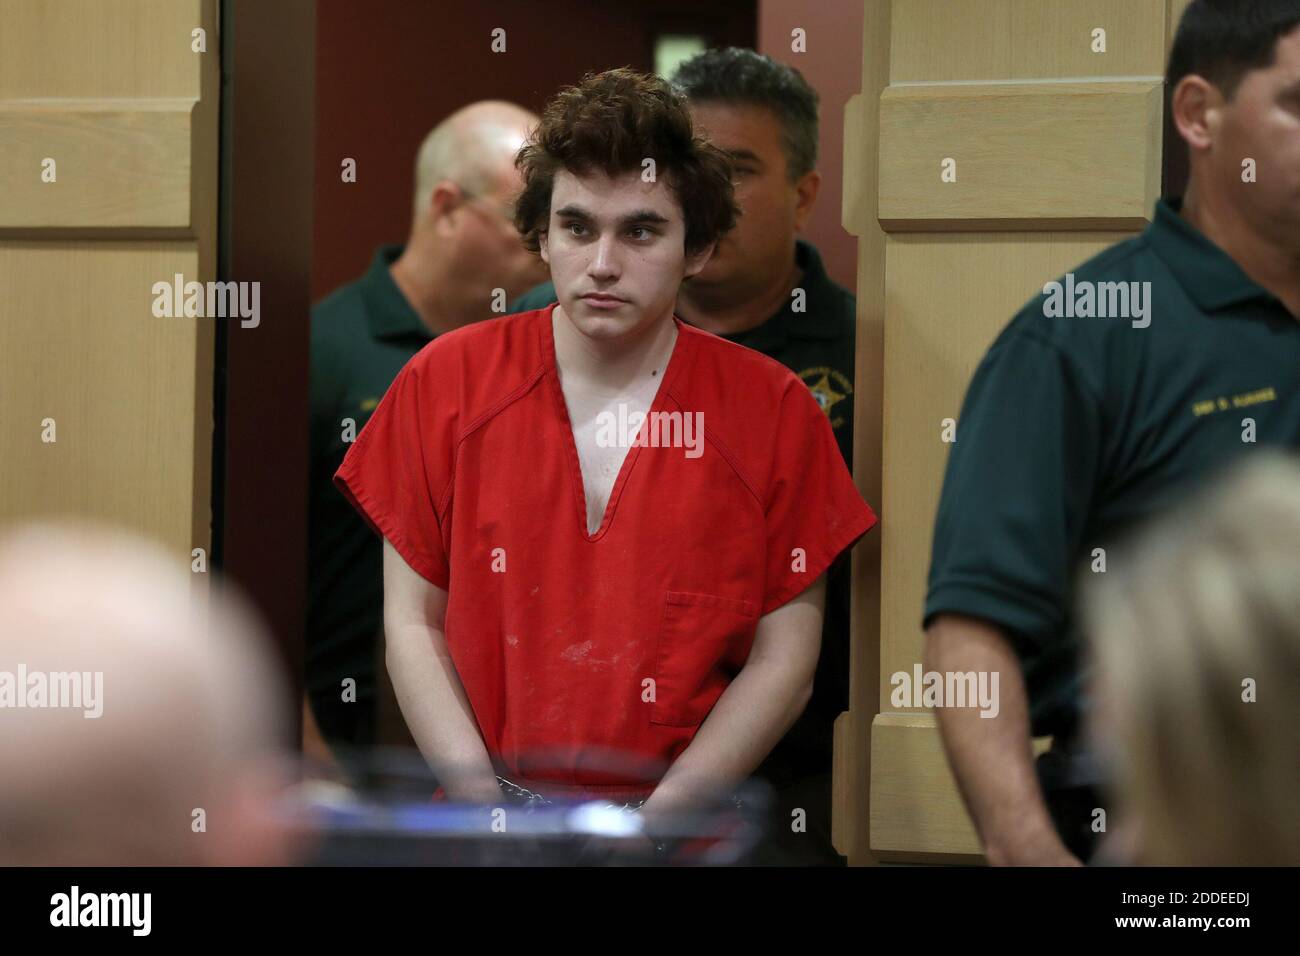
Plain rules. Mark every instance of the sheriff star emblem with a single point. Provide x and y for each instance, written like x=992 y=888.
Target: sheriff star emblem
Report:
x=830 y=387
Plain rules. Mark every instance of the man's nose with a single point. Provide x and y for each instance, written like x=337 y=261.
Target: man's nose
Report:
x=604 y=261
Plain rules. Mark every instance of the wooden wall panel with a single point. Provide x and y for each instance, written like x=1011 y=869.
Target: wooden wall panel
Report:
x=81 y=347
x=114 y=167
x=116 y=94
x=1059 y=155
x=916 y=811
x=943 y=41
x=127 y=49
x=947 y=297
x=1078 y=155
x=852 y=765
x=938 y=338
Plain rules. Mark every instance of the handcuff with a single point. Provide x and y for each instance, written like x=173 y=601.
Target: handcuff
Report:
x=511 y=789
x=532 y=798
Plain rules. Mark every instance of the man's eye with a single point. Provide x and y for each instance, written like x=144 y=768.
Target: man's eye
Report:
x=645 y=233
x=576 y=226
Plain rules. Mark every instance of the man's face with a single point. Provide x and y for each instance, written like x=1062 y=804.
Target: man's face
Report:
x=488 y=252
x=616 y=249
x=1262 y=123
x=772 y=208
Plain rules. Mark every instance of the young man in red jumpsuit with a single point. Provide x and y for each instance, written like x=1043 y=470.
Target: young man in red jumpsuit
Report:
x=605 y=530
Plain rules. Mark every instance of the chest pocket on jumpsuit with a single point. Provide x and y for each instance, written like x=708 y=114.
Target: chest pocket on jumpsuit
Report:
x=703 y=641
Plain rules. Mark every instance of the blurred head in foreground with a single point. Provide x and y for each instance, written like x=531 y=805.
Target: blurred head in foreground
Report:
x=137 y=717
x=1195 y=629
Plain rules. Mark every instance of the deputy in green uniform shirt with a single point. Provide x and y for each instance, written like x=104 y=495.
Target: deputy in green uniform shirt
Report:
x=1144 y=372
x=766 y=289
x=462 y=257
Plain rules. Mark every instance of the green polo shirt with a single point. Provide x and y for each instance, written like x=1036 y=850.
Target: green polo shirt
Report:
x=361 y=336
x=817 y=344
x=1075 y=426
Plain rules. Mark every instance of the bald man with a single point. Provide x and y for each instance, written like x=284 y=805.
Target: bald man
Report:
x=461 y=263
x=141 y=722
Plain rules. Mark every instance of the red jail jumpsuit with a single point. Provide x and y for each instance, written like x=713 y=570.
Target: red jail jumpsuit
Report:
x=590 y=660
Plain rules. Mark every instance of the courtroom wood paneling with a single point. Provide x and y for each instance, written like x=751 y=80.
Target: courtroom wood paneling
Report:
x=116 y=94
x=852 y=765
x=123 y=49
x=914 y=802
x=1082 y=155
x=916 y=811
x=117 y=163
x=942 y=41
x=947 y=297
x=81 y=346
x=1059 y=155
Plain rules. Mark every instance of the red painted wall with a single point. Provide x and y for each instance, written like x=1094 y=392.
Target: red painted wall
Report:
x=832 y=65
x=387 y=71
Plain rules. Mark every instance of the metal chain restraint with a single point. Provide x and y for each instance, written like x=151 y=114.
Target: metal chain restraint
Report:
x=530 y=798
x=534 y=799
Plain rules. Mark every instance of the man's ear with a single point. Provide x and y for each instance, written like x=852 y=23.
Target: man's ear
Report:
x=1196 y=104
x=697 y=261
x=444 y=199
x=806 y=189
x=542 y=249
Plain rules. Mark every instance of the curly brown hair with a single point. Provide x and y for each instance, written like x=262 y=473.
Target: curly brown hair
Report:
x=612 y=121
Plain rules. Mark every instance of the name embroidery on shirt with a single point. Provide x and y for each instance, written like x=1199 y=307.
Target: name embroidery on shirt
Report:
x=1223 y=403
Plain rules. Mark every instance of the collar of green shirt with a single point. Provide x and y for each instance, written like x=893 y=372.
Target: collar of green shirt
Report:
x=819 y=318
x=389 y=314
x=1210 y=276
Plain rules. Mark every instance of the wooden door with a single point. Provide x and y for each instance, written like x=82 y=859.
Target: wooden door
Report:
x=108 y=172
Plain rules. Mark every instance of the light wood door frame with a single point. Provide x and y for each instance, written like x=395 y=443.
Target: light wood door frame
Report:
x=116 y=100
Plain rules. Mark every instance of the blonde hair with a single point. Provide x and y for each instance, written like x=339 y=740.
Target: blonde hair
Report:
x=1191 y=617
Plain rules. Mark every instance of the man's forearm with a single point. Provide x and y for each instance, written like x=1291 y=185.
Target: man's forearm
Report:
x=751 y=716
x=992 y=757
x=438 y=712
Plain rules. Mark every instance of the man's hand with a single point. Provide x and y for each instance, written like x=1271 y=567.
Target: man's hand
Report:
x=992 y=758
x=754 y=712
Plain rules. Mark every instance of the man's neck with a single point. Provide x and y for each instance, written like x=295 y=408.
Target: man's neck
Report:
x=724 y=310
x=1270 y=266
x=612 y=364
x=420 y=289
